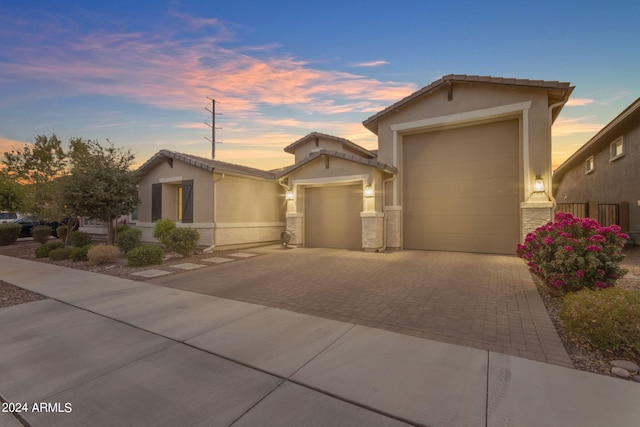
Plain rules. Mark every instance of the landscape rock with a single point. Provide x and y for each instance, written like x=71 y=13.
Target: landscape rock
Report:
x=619 y=372
x=626 y=365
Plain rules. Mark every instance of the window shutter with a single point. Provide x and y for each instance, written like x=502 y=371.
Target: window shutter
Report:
x=187 y=201
x=156 y=202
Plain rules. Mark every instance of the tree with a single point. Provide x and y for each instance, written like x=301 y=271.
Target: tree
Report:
x=38 y=166
x=101 y=184
x=13 y=196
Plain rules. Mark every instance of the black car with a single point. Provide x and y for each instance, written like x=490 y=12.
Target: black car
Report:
x=29 y=221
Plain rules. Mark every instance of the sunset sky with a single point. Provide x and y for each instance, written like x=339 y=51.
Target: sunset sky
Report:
x=139 y=72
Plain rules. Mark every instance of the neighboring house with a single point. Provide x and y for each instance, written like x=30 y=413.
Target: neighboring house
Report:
x=606 y=171
x=463 y=164
x=228 y=204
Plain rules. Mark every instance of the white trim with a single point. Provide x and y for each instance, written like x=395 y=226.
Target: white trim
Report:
x=336 y=180
x=170 y=179
x=371 y=214
x=461 y=118
x=613 y=157
x=393 y=208
x=588 y=170
x=526 y=169
x=249 y=224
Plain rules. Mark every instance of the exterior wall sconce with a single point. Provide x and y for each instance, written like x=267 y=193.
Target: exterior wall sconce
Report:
x=538 y=185
x=368 y=191
x=289 y=195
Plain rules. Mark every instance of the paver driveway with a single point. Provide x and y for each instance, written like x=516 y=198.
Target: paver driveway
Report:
x=483 y=301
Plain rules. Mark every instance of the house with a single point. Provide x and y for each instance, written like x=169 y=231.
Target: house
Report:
x=463 y=164
x=230 y=205
x=604 y=173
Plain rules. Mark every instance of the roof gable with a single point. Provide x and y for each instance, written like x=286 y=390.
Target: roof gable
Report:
x=558 y=91
x=367 y=162
x=291 y=148
x=204 y=163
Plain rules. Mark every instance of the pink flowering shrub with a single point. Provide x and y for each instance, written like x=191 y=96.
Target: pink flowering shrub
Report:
x=574 y=253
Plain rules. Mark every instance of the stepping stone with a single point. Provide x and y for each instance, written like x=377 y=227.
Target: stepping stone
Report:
x=218 y=260
x=187 y=266
x=242 y=255
x=151 y=273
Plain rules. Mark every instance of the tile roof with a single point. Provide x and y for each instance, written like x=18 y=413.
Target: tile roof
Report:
x=350 y=157
x=463 y=78
x=206 y=164
x=290 y=148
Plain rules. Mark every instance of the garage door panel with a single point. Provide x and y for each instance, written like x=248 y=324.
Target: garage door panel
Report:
x=332 y=217
x=461 y=189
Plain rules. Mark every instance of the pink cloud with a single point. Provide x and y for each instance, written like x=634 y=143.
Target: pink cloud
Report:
x=564 y=127
x=579 y=102
x=173 y=73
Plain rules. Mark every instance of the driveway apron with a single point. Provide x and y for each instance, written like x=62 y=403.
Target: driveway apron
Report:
x=489 y=302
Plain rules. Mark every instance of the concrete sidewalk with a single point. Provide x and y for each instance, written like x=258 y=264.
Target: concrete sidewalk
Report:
x=106 y=351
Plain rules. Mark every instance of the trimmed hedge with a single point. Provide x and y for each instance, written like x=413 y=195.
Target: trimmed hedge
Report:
x=162 y=231
x=80 y=254
x=79 y=239
x=9 y=233
x=128 y=239
x=145 y=255
x=41 y=233
x=184 y=240
x=60 y=254
x=44 y=250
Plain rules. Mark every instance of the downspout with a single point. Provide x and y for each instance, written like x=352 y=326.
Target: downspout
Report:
x=215 y=225
x=551 y=107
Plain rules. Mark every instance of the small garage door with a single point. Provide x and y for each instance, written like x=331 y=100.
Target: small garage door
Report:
x=460 y=189
x=332 y=217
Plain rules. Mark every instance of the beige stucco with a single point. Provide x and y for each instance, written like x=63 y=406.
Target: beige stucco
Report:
x=472 y=105
x=229 y=208
x=170 y=174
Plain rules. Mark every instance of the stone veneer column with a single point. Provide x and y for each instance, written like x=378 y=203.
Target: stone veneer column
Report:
x=372 y=230
x=295 y=227
x=534 y=215
x=394 y=227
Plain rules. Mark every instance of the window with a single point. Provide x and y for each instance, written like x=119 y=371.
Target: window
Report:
x=616 y=149
x=590 y=165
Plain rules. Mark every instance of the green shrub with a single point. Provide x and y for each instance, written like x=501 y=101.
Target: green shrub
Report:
x=574 y=253
x=44 y=250
x=80 y=254
x=122 y=227
x=79 y=239
x=184 y=240
x=41 y=233
x=103 y=254
x=60 y=254
x=607 y=319
x=128 y=239
x=145 y=255
x=9 y=233
x=61 y=231
x=162 y=231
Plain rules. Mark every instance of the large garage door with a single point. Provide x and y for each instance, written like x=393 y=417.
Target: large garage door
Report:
x=460 y=189
x=332 y=217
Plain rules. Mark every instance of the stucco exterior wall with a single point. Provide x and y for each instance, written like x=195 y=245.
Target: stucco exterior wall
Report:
x=202 y=191
x=611 y=181
x=474 y=104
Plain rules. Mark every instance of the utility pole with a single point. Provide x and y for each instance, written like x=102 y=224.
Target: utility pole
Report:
x=213 y=127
